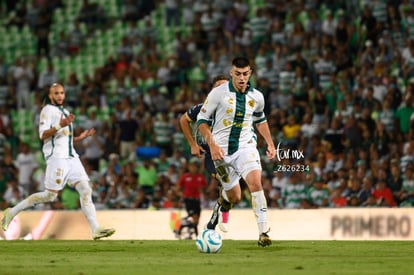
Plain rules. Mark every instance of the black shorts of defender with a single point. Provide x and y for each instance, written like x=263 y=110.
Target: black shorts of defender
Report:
x=192 y=206
x=209 y=164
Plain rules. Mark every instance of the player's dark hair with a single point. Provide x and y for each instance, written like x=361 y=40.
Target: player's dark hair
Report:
x=240 y=62
x=218 y=78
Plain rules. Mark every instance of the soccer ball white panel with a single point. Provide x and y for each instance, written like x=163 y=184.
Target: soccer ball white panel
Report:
x=209 y=241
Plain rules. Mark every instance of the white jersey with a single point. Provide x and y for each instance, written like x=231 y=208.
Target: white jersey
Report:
x=234 y=115
x=59 y=145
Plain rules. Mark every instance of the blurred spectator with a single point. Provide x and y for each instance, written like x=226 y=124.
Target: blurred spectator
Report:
x=191 y=187
x=404 y=112
x=383 y=195
x=126 y=132
x=73 y=89
x=33 y=14
x=61 y=47
x=130 y=10
x=334 y=135
x=406 y=195
x=69 y=199
x=76 y=38
x=141 y=200
x=23 y=76
x=210 y=21
x=47 y=77
x=294 y=192
x=9 y=168
x=14 y=193
x=407 y=156
x=147 y=176
x=172 y=13
x=42 y=33
x=94 y=149
x=26 y=165
x=93 y=15
x=19 y=17
x=317 y=195
x=291 y=132
x=163 y=131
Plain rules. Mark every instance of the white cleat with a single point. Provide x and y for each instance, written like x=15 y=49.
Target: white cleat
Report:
x=223 y=221
x=103 y=233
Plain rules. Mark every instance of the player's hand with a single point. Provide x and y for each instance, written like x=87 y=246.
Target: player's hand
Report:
x=91 y=132
x=197 y=150
x=65 y=121
x=216 y=151
x=270 y=152
x=87 y=133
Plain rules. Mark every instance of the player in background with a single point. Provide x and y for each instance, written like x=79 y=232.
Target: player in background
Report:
x=191 y=186
x=63 y=165
x=200 y=148
x=237 y=109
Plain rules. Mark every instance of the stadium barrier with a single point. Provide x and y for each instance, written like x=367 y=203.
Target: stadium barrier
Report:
x=318 y=224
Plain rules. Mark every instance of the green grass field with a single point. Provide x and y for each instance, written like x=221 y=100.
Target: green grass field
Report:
x=182 y=257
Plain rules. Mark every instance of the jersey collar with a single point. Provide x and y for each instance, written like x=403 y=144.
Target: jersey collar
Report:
x=231 y=88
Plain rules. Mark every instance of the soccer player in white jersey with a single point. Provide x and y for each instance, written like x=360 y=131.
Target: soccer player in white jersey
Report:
x=237 y=110
x=221 y=210
x=63 y=163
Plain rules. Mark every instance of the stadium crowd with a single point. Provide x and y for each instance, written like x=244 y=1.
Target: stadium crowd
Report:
x=337 y=76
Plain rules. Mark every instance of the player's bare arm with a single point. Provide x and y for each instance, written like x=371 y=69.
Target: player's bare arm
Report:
x=216 y=151
x=85 y=134
x=64 y=121
x=264 y=131
x=185 y=121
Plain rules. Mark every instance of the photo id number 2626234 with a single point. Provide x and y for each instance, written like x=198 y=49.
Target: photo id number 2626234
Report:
x=291 y=168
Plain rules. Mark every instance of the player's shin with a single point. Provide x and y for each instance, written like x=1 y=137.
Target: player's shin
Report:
x=259 y=205
x=88 y=208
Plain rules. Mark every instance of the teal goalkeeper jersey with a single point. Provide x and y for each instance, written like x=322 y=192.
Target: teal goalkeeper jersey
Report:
x=233 y=116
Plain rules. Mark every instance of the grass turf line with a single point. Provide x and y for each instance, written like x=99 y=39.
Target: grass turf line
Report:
x=182 y=257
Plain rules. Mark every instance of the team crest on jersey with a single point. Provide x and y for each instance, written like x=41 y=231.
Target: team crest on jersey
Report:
x=226 y=122
x=251 y=103
x=59 y=172
x=58 y=181
x=230 y=101
x=229 y=111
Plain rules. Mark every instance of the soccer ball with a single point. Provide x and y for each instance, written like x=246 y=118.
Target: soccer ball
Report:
x=209 y=241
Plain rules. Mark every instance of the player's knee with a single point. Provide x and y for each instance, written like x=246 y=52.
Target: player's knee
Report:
x=234 y=198
x=51 y=196
x=84 y=189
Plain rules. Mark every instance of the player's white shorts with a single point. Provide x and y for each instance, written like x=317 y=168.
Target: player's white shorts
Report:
x=61 y=171
x=240 y=164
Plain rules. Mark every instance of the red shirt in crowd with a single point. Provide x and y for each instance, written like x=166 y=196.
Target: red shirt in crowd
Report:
x=192 y=184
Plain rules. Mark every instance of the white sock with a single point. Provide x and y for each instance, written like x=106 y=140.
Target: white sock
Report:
x=32 y=200
x=259 y=205
x=88 y=208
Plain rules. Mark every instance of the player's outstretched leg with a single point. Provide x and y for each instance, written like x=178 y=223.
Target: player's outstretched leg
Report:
x=7 y=218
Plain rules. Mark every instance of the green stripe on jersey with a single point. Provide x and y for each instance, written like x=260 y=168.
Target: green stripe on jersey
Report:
x=237 y=126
